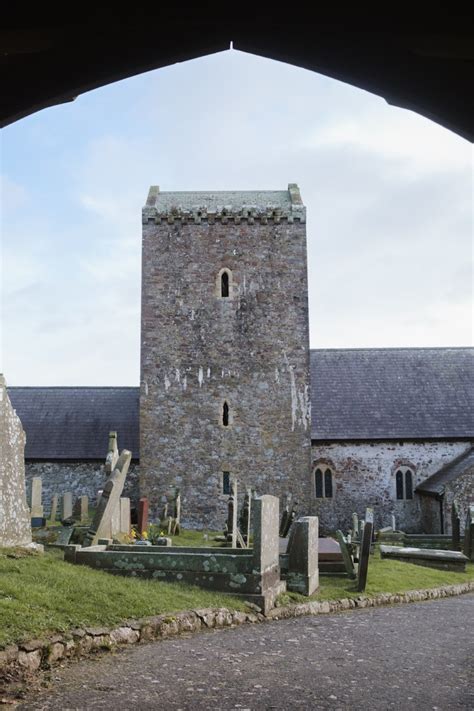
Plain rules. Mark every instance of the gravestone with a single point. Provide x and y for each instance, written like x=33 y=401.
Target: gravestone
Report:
x=394 y=523
x=15 y=523
x=112 y=454
x=455 y=527
x=101 y=527
x=245 y=516
x=125 y=515
x=346 y=555
x=303 y=572
x=266 y=548
x=232 y=514
x=355 y=527
x=54 y=508
x=67 y=505
x=142 y=515
x=37 y=510
x=170 y=519
x=284 y=517
x=83 y=509
x=468 y=548
x=364 y=550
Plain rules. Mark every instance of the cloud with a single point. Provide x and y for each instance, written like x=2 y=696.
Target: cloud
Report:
x=388 y=198
x=411 y=144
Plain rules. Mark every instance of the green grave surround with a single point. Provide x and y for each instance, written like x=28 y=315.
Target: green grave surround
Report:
x=253 y=573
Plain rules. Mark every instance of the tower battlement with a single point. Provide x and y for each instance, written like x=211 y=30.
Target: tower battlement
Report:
x=225 y=206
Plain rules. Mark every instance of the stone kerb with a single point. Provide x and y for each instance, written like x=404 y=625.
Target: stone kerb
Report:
x=303 y=571
x=15 y=524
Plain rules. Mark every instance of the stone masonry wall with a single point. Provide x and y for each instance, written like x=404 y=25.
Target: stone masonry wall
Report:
x=81 y=478
x=461 y=489
x=15 y=523
x=199 y=350
x=364 y=475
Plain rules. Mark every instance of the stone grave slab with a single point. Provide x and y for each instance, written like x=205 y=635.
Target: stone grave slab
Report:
x=429 y=557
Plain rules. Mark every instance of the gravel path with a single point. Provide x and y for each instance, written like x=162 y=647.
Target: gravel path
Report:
x=418 y=656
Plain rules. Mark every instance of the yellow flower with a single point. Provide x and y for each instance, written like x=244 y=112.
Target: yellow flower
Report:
x=145 y=535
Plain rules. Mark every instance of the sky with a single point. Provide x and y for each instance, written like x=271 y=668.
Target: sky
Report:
x=388 y=196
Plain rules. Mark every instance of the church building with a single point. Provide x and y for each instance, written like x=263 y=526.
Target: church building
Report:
x=229 y=386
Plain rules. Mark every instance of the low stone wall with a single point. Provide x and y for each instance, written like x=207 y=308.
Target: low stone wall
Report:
x=81 y=478
x=38 y=654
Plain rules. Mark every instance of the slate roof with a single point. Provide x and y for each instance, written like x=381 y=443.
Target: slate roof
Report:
x=74 y=423
x=434 y=486
x=392 y=393
x=357 y=394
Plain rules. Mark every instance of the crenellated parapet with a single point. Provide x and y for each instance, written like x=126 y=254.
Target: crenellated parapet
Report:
x=248 y=206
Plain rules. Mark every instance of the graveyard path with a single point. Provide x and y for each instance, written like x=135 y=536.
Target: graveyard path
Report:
x=418 y=656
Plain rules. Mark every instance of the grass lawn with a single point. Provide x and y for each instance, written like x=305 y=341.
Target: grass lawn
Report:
x=41 y=594
x=384 y=576
x=197 y=538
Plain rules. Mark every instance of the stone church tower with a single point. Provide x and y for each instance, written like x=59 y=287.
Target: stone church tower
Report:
x=224 y=348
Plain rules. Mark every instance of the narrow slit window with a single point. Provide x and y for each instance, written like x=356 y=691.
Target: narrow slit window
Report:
x=225 y=285
x=225 y=414
x=328 y=484
x=226 y=483
x=399 y=484
x=319 y=483
x=408 y=485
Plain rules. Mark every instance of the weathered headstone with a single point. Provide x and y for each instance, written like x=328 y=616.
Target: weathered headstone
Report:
x=67 y=505
x=468 y=548
x=266 y=548
x=394 y=523
x=177 y=512
x=232 y=514
x=37 y=510
x=364 y=552
x=83 y=509
x=245 y=516
x=455 y=527
x=346 y=555
x=302 y=550
x=112 y=454
x=101 y=527
x=284 y=517
x=54 y=508
x=355 y=527
x=15 y=523
x=124 y=515
x=142 y=515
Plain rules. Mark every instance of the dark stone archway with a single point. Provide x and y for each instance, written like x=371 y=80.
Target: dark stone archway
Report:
x=49 y=57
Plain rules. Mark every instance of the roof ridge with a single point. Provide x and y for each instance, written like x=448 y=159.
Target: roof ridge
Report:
x=397 y=348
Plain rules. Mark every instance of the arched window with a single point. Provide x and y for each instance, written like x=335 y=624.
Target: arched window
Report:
x=404 y=483
x=323 y=482
x=225 y=414
x=225 y=285
x=226 y=483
